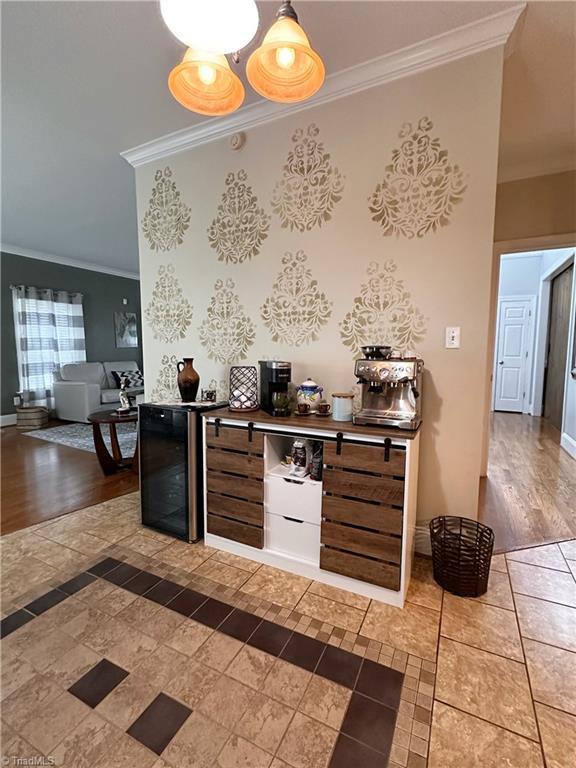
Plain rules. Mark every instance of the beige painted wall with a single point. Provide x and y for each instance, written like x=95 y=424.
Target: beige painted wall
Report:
x=447 y=273
x=542 y=205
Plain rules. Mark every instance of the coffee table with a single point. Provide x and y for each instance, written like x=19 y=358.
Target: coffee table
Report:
x=115 y=462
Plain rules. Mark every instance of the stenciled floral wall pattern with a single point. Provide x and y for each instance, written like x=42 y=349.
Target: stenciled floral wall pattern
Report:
x=383 y=313
x=310 y=186
x=297 y=309
x=169 y=313
x=166 y=387
x=167 y=217
x=420 y=186
x=240 y=225
x=227 y=333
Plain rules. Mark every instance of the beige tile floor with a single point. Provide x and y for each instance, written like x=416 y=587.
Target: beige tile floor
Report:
x=488 y=682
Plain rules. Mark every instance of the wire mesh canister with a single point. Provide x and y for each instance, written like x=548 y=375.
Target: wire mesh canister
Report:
x=243 y=388
x=461 y=555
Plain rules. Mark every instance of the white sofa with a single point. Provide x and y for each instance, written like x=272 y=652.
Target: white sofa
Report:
x=83 y=388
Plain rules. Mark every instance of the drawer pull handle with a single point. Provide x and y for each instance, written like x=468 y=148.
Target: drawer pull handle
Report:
x=339 y=438
x=292 y=519
x=250 y=430
x=217 y=427
x=387 y=444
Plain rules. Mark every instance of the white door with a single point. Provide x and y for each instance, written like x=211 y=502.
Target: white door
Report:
x=513 y=353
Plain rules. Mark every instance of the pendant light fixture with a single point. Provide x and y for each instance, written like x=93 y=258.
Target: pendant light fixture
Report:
x=204 y=83
x=285 y=68
x=216 y=26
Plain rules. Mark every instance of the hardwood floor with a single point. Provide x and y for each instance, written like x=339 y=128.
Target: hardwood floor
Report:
x=42 y=480
x=529 y=496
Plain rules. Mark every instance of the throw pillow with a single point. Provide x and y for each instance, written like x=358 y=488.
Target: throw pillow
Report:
x=134 y=378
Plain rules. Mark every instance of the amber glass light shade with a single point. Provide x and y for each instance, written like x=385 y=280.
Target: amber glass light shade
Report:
x=204 y=83
x=285 y=68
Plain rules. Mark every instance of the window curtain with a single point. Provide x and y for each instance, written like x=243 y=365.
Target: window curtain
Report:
x=49 y=329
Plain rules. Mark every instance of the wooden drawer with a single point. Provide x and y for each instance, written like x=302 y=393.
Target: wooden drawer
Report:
x=231 y=529
x=239 y=463
x=370 y=487
x=374 y=516
x=362 y=542
x=240 y=487
x=368 y=458
x=373 y=571
x=236 y=439
x=237 y=509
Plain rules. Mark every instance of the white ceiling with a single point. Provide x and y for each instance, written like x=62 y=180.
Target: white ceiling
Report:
x=82 y=81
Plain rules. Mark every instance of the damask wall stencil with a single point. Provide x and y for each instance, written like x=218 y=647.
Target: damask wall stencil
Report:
x=167 y=217
x=297 y=309
x=310 y=186
x=169 y=313
x=383 y=313
x=166 y=387
x=226 y=332
x=240 y=226
x=420 y=186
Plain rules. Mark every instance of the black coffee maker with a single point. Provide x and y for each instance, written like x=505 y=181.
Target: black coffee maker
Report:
x=275 y=376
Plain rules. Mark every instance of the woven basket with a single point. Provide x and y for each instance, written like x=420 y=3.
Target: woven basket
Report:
x=461 y=555
x=32 y=417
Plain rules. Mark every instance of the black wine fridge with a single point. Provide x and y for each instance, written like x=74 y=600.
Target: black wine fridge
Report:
x=171 y=478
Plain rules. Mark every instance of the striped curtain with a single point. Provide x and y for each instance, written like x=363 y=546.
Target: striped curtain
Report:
x=49 y=328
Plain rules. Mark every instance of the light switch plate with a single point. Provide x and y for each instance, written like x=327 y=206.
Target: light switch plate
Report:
x=453 y=337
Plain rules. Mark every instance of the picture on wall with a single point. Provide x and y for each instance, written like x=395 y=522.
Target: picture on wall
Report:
x=126 y=328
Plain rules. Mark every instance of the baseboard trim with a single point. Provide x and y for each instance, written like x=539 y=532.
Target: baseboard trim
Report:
x=8 y=420
x=569 y=444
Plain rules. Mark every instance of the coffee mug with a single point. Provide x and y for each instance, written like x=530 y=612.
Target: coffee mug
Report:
x=208 y=395
x=323 y=408
x=303 y=408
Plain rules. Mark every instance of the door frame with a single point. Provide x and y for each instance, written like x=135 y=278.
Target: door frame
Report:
x=526 y=401
x=543 y=330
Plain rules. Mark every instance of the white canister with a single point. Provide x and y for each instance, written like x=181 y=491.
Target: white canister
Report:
x=342 y=406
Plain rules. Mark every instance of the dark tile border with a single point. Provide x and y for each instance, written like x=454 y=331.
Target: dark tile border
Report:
x=14 y=621
x=367 y=729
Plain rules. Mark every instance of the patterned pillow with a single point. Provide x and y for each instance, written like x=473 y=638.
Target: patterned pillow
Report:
x=134 y=378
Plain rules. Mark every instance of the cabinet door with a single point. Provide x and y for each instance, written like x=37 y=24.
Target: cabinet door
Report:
x=235 y=470
x=362 y=512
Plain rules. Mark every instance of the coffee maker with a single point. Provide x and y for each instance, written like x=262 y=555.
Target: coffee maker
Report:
x=391 y=391
x=275 y=376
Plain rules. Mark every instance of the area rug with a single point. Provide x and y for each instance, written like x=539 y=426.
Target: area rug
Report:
x=80 y=436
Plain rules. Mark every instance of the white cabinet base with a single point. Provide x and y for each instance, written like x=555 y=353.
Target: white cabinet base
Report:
x=309 y=570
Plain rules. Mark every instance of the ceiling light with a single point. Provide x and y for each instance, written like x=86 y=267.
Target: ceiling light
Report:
x=217 y=26
x=285 y=68
x=204 y=83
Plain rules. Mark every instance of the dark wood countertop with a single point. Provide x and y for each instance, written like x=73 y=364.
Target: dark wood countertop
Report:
x=313 y=422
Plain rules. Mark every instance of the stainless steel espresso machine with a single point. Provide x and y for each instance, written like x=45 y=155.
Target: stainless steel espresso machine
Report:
x=391 y=389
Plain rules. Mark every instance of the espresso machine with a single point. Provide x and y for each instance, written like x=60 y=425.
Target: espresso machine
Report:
x=275 y=376
x=391 y=390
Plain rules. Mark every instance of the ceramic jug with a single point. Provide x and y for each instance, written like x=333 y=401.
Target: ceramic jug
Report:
x=188 y=380
x=309 y=392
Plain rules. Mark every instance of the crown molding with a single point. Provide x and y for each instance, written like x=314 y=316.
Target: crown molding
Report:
x=77 y=263
x=481 y=35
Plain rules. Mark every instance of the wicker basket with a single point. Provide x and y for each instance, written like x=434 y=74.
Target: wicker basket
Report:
x=32 y=417
x=461 y=555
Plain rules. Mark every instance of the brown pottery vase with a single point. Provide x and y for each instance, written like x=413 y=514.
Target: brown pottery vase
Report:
x=188 y=380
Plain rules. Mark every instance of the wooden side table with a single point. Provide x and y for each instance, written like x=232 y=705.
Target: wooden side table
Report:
x=115 y=462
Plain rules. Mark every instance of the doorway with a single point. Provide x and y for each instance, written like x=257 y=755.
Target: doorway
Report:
x=558 y=335
x=527 y=495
